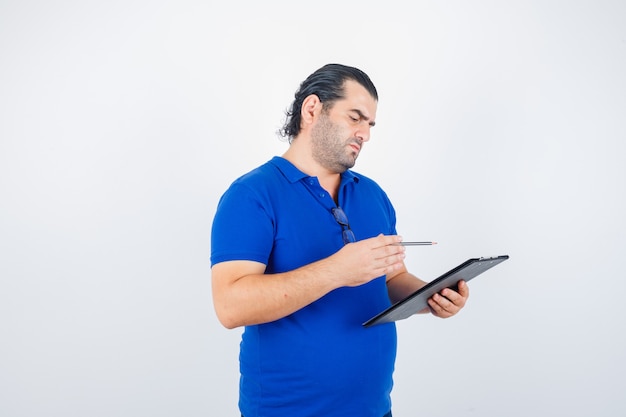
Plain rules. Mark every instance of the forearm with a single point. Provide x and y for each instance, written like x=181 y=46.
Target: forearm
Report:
x=256 y=297
x=402 y=285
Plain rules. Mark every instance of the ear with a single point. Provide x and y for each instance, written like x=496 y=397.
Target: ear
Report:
x=311 y=107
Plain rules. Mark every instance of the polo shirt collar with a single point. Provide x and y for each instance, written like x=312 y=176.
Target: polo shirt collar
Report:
x=293 y=174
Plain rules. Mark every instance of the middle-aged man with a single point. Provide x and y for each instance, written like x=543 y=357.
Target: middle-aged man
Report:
x=303 y=251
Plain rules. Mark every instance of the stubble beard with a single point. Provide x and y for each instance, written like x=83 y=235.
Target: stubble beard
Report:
x=328 y=148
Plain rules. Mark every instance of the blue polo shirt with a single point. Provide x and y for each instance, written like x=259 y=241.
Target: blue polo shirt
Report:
x=320 y=360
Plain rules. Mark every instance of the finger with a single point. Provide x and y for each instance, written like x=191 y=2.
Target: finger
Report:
x=436 y=309
x=443 y=306
x=389 y=251
x=457 y=298
x=390 y=263
x=448 y=301
x=463 y=289
x=386 y=240
x=450 y=295
x=460 y=289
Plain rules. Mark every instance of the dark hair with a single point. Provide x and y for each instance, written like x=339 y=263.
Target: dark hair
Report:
x=327 y=83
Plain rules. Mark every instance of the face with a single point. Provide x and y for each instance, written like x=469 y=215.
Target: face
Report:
x=338 y=134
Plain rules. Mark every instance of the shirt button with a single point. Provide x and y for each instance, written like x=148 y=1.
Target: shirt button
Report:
x=322 y=195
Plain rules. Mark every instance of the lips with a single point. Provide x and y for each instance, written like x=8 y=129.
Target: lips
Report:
x=356 y=146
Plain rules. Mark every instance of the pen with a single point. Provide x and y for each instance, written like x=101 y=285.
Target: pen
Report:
x=417 y=243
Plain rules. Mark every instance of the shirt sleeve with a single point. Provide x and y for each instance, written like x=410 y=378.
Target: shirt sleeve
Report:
x=243 y=228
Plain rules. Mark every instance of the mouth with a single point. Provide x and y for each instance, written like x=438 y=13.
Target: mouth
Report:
x=355 y=146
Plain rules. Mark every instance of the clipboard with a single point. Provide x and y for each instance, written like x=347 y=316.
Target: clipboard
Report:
x=419 y=299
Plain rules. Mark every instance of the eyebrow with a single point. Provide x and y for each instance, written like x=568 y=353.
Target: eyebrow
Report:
x=364 y=117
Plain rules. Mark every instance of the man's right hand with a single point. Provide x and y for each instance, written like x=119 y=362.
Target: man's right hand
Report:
x=360 y=262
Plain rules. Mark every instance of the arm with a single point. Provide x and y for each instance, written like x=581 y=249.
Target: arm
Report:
x=244 y=295
x=444 y=304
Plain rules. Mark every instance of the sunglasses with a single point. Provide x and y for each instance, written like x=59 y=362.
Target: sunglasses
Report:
x=342 y=219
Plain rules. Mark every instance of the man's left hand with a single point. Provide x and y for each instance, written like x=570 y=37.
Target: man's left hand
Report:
x=448 y=302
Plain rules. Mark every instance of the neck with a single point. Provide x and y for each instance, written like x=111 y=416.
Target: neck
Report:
x=329 y=180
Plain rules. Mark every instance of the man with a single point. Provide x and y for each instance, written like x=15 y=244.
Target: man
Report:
x=303 y=251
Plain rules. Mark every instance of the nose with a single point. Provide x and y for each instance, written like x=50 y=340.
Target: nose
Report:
x=363 y=132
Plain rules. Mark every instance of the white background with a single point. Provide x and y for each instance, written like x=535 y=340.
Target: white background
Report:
x=501 y=129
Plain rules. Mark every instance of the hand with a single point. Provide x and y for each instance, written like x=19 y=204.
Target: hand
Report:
x=360 y=262
x=448 y=302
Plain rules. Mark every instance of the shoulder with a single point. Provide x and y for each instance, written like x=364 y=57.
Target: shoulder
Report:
x=263 y=186
x=253 y=182
x=368 y=190
x=257 y=176
x=367 y=183
x=271 y=174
